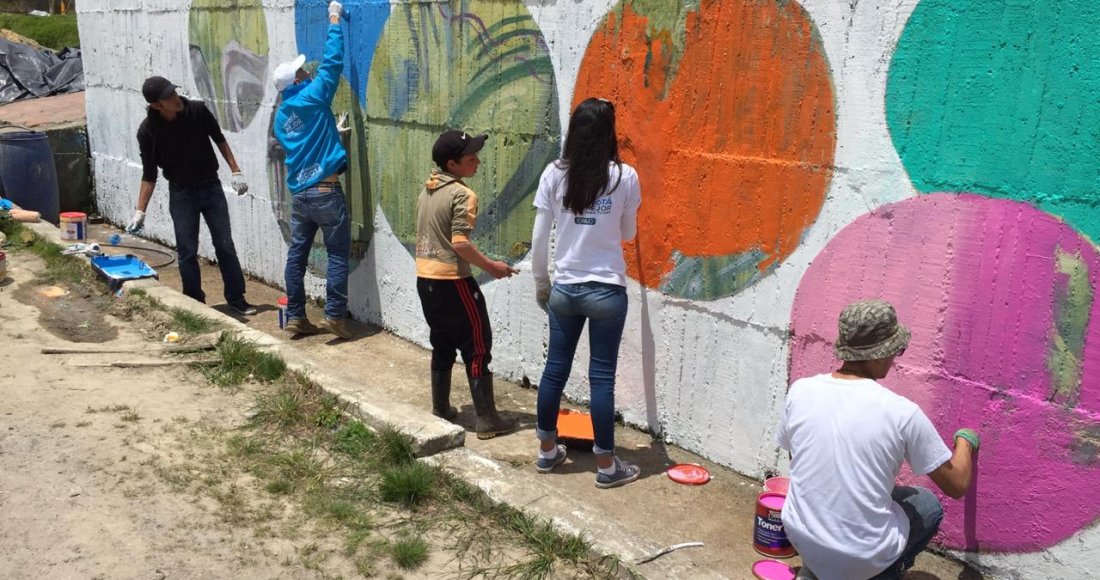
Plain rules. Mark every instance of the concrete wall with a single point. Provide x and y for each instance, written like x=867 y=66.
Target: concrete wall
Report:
x=793 y=156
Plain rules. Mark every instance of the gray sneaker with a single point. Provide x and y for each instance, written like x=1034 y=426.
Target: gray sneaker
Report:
x=544 y=465
x=624 y=474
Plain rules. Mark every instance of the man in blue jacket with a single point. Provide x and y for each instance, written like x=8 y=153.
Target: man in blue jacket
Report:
x=315 y=158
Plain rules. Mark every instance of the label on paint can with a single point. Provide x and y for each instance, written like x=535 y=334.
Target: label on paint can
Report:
x=282 y=301
x=768 y=536
x=72 y=225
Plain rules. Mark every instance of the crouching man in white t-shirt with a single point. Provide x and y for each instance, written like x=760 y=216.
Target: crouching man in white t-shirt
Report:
x=848 y=436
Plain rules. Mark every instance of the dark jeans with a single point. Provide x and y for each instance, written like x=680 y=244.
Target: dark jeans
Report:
x=313 y=208
x=186 y=203
x=925 y=514
x=603 y=306
x=459 y=320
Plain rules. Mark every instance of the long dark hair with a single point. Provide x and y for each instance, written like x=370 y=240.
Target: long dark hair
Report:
x=589 y=146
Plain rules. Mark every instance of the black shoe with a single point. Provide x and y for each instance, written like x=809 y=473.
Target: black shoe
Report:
x=243 y=308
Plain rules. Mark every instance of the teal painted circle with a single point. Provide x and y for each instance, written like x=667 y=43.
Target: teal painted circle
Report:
x=1002 y=99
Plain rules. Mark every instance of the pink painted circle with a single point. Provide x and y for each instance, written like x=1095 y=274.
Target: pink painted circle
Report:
x=1002 y=301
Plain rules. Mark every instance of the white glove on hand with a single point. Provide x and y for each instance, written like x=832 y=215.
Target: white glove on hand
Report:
x=335 y=9
x=238 y=183
x=542 y=296
x=136 y=223
x=342 y=123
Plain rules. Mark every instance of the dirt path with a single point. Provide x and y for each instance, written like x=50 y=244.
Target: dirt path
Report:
x=80 y=448
x=128 y=472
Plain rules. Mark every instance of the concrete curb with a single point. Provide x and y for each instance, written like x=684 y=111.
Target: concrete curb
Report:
x=367 y=402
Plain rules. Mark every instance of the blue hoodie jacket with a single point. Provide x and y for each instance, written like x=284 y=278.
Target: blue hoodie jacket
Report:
x=304 y=124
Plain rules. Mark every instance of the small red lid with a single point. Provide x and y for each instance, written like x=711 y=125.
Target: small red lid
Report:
x=689 y=474
x=281 y=301
x=73 y=215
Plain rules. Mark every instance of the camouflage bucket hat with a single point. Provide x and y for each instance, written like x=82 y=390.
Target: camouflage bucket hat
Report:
x=869 y=330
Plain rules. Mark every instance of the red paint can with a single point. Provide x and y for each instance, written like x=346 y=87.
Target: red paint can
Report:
x=768 y=536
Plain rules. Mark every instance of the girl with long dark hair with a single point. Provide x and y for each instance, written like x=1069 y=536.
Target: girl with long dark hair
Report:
x=592 y=198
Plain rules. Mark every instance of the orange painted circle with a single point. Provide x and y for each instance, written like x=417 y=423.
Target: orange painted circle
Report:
x=727 y=113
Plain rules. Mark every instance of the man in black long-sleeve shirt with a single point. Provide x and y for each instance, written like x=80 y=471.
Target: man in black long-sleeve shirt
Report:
x=175 y=136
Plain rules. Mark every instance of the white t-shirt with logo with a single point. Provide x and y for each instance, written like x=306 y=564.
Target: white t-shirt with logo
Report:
x=588 y=246
x=848 y=439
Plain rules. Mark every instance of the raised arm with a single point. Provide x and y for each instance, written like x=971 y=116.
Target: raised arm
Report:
x=955 y=475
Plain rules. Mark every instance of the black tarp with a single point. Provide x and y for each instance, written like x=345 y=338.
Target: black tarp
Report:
x=28 y=73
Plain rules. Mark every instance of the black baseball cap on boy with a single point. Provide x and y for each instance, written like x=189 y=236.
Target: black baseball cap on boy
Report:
x=156 y=89
x=452 y=145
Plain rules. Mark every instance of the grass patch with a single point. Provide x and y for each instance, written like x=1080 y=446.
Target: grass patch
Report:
x=329 y=412
x=394 y=447
x=280 y=410
x=410 y=484
x=409 y=552
x=302 y=469
x=130 y=416
x=57 y=31
x=59 y=268
x=108 y=409
x=242 y=361
x=189 y=322
x=353 y=439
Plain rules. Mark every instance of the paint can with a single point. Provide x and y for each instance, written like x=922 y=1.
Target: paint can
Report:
x=73 y=225
x=768 y=536
x=282 y=312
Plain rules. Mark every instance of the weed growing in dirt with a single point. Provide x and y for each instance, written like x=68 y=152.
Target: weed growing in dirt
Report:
x=242 y=361
x=409 y=552
x=108 y=409
x=185 y=321
x=410 y=484
x=59 y=267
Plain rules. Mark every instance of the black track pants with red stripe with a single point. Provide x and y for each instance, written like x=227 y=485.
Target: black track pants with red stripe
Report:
x=459 y=321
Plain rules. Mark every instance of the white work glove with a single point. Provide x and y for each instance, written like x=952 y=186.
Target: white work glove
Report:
x=542 y=296
x=342 y=123
x=136 y=223
x=335 y=9
x=238 y=183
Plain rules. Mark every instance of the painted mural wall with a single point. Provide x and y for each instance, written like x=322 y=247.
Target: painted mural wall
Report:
x=794 y=156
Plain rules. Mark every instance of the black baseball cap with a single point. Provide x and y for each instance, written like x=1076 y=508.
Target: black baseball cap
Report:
x=156 y=89
x=452 y=145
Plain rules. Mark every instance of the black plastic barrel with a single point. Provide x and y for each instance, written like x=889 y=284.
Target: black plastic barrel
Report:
x=27 y=172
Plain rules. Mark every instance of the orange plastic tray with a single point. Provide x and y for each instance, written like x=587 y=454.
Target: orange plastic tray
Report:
x=575 y=427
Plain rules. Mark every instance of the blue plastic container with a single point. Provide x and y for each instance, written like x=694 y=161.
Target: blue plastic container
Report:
x=27 y=173
x=118 y=269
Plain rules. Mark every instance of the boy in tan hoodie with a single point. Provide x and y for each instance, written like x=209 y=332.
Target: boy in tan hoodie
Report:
x=454 y=307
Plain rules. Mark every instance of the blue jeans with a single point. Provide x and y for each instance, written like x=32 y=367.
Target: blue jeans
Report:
x=319 y=207
x=186 y=204
x=925 y=514
x=604 y=307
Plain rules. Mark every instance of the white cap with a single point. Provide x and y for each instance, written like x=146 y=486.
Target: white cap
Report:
x=284 y=74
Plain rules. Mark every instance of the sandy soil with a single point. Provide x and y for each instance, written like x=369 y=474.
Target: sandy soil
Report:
x=122 y=472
